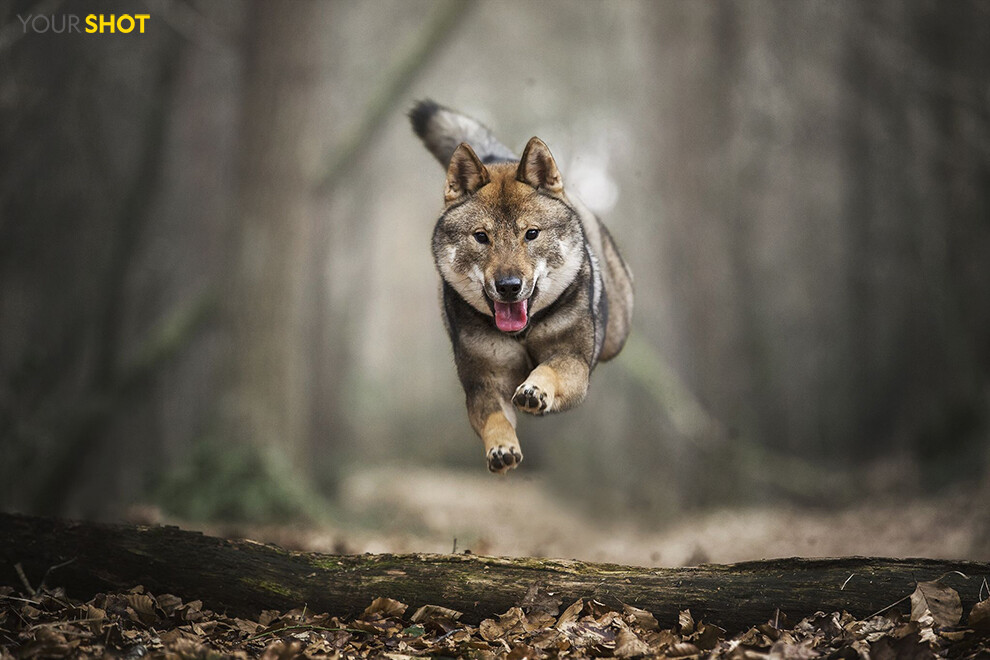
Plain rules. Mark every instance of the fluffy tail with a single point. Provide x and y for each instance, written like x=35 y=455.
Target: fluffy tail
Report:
x=442 y=130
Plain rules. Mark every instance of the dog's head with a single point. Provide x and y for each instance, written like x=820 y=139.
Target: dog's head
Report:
x=508 y=241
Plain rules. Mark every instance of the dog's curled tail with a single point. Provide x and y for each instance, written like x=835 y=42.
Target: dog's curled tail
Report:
x=442 y=130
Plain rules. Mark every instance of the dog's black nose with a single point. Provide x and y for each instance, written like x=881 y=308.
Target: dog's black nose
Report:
x=508 y=287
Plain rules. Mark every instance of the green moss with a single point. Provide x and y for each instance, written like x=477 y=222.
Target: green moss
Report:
x=271 y=587
x=326 y=563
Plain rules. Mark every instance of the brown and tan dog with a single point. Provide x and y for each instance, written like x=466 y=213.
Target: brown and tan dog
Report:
x=533 y=288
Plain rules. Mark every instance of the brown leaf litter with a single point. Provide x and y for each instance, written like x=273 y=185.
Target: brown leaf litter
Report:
x=138 y=624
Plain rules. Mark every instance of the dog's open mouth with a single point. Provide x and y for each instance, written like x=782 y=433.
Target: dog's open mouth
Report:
x=511 y=317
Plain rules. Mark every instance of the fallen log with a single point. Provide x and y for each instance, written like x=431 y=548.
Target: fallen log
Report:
x=244 y=577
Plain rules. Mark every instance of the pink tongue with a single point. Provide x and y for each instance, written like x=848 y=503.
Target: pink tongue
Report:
x=511 y=317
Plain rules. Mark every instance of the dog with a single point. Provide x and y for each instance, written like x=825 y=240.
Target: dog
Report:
x=533 y=288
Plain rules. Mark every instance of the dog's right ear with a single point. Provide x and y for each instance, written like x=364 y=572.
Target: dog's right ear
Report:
x=465 y=175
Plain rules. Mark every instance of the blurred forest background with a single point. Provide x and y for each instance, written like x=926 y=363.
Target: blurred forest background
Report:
x=217 y=298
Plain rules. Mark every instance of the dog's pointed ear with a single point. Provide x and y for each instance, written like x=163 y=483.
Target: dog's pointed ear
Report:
x=538 y=169
x=465 y=174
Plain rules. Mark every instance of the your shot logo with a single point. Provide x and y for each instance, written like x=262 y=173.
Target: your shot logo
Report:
x=88 y=24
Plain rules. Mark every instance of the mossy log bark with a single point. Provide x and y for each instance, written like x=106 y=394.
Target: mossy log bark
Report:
x=244 y=577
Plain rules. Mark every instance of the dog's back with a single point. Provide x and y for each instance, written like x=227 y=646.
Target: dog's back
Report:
x=616 y=278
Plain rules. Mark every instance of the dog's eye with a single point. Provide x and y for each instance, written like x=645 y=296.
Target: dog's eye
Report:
x=481 y=237
x=531 y=234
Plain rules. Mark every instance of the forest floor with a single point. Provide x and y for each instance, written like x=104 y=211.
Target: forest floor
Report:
x=420 y=510
x=137 y=624
x=426 y=510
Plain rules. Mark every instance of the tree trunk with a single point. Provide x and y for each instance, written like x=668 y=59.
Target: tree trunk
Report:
x=268 y=309
x=245 y=577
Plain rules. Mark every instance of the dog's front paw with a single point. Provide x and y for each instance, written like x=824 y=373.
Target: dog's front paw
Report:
x=502 y=458
x=532 y=399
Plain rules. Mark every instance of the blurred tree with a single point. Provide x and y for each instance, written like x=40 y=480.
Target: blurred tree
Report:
x=82 y=157
x=270 y=316
x=825 y=170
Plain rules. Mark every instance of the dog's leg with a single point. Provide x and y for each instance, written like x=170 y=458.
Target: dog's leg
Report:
x=495 y=421
x=555 y=385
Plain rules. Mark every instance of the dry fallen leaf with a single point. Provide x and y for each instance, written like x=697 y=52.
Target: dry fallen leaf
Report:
x=685 y=622
x=386 y=607
x=941 y=601
x=193 y=611
x=168 y=603
x=789 y=650
x=282 y=651
x=490 y=630
x=628 y=645
x=538 y=600
x=428 y=612
x=522 y=652
x=706 y=636
x=571 y=614
x=979 y=616
x=910 y=647
x=682 y=650
x=142 y=608
x=641 y=618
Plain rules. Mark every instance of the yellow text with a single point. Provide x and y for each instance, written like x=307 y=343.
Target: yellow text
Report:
x=125 y=23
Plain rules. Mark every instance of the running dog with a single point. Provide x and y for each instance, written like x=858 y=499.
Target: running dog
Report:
x=533 y=288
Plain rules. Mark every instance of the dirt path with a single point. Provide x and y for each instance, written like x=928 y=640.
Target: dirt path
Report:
x=425 y=510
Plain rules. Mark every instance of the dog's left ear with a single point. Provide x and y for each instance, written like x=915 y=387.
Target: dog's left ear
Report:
x=538 y=169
